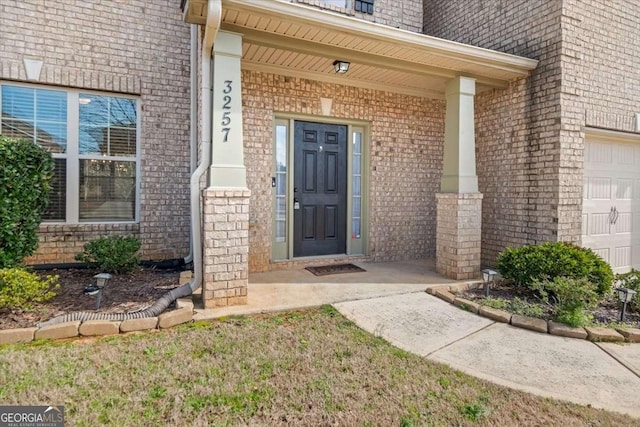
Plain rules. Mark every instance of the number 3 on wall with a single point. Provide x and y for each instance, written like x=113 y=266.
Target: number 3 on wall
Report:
x=226 y=105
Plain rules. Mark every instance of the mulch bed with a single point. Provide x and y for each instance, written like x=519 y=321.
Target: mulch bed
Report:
x=124 y=293
x=608 y=311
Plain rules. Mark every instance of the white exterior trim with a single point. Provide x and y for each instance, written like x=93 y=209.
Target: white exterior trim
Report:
x=463 y=53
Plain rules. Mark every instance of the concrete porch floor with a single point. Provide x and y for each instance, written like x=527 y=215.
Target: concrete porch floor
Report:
x=298 y=288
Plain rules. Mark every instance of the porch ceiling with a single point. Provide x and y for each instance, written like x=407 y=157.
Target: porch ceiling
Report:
x=301 y=41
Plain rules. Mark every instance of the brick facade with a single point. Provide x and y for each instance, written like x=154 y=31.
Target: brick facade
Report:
x=458 y=235
x=525 y=148
x=407 y=134
x=403 y=14
x=133 y=47
x=529 y=136
x=606 y=62
x=586 y=77
x=226 y=247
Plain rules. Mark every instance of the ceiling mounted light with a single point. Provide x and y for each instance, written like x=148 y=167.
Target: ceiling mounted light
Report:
x=341 y=67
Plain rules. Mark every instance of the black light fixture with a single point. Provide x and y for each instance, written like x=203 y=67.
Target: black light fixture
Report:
x=625 y=296
x=96 y=290
x=487 y=276
x=341 y=67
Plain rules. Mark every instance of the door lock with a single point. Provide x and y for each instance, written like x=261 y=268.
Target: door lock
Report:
x=296 y=204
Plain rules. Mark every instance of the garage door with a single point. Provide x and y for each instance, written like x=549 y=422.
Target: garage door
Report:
x=611 y=209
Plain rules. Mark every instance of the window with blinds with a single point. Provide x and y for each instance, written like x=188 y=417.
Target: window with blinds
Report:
x=107 y=152
x=93 y=139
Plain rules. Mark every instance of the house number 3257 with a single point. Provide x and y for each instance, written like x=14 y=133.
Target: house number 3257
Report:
x=226 y=107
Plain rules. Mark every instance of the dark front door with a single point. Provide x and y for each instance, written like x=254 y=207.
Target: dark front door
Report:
x=320 y=189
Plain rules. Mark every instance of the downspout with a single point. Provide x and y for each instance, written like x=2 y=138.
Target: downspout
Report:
x=214 y=17
x=193 y=124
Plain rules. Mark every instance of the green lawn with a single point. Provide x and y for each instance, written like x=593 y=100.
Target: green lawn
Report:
x=300 y=368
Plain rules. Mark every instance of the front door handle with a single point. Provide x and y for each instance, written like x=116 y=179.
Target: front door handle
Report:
x=296 y=204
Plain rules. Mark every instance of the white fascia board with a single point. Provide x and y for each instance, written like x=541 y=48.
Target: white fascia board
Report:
x=305 y=15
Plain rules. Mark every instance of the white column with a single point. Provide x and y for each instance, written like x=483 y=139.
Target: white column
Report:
x=227 y=166
x=459 y=166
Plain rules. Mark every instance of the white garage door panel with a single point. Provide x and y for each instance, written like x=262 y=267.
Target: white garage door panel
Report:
x=611 y=206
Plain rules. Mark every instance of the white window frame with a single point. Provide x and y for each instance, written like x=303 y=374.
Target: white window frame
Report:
x=73 y=156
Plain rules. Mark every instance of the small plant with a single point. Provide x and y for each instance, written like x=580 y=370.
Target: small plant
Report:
x=113 y=254
x=526 y=264
x=516 y=306
x=25 y=181
x=631 y=280
x=20 y=288
x=572 y=297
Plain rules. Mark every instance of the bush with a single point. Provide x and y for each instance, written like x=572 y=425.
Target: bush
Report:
x=526 y=264
x=572 y=298
x=631 y=280
x=113 y=254
x=20 y=288
x=25 y=181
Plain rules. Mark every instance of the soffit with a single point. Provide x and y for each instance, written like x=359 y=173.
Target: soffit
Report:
x=298 y=40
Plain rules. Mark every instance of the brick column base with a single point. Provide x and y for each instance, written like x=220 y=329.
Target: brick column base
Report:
x=458 y=235
x=226 y=247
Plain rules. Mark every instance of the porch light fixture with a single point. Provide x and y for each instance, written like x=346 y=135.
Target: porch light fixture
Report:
x=625 y=296
x=488 y=276
x=341 y=67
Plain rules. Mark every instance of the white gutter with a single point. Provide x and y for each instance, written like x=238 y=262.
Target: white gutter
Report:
x=193 y=118
x=214 y=17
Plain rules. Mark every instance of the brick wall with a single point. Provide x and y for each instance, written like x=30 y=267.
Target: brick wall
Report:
x=226 y=247
x=520 y=139
x=406 y=160
x=606 y=40
x=403 y=14
x=132 y=47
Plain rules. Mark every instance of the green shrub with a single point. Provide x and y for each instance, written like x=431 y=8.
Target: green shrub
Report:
x=20 y=288
x=113 y=254
x=526 y=264
x=571 y=297
x=25 y=181
x=631 y=280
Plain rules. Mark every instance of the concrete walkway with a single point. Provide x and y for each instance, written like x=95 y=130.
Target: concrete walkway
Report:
x=602 y=375
x=389 y=300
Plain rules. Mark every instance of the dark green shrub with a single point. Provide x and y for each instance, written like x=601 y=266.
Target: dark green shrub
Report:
x=549 y=260
x=25 y=180
x=20 y=288
x=571 y=297
x=113 y=254
x=631 y=280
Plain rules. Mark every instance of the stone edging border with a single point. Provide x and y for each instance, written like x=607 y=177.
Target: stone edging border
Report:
x=93 y=328
x=597 y=334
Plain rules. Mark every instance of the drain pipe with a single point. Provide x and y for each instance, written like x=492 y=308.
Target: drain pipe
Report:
x=193 y=121
x=193 y=130
x=214 y=17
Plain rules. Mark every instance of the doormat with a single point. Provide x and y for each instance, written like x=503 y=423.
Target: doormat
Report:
x=325 y=270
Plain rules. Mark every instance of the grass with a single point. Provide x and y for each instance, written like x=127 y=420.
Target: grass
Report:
x=300 y=368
